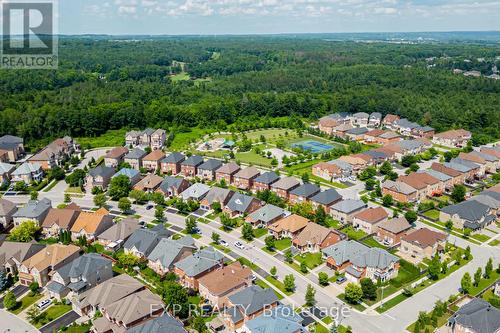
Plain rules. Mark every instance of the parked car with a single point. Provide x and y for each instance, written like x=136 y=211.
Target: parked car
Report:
x=239 y=245
x=148 y=207
x=223 y=242
x=43 y=304
x=253 y=277
x=341 y=280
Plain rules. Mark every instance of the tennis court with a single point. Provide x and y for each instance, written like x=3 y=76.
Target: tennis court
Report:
x=313 y=146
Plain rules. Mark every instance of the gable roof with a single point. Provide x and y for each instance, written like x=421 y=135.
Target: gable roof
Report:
x=150 y=182
x=167 y=250
x=50 y=256
x=84 y=267
x=398 y=186
x=135 y=154
x=19 y=251
x=6 y=168
x=171 y=182
x=291 y=223
x=90 y=221
x=372 y=215
x=6 y=207
x=348 y=206
x=229 y=168
x=470 y=210
x=210 y=165
x=226 y=279
x=11 y=139
x=218 y=194
x=130 y=173
x=102 y=171
x=281 y=319
x=326 y=197
x=253 y=299
x=306 y=190
x=197 y=191
x=267 y=178
x=266 y=214
x=63 y=217
x=175 y=157
x=396 y=225
x=27 y=168
x=165 y=323
x=120 y=230
x=33 y=209
x=200 y=262
x=313 y=233
x=155 y=155
x=247 y=173
x=478 y=316
x=424 y=237
x=286 y=183
x=359 y=255
x=193 y=160
x=117 y=152
x=144 y=240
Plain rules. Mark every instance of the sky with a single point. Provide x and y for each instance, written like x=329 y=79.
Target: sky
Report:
x=209 y=17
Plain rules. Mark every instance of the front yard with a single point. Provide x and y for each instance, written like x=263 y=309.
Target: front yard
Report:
x=51 y=314
x=26 y=302
x=312 y=260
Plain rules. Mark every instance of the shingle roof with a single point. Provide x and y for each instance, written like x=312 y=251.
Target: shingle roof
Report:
x=478 y=316
x=239 y=202
x=396 y=225
x=90 y=221
x=253 y=299
x=175 y=157
x=357 y=130
x=326 y=197
x=85 y=267
x=102 y=171
x=130 y=173
x=6 y=207
x=6 y=168
x=33 y=209
x=348 y=206
x=117 y=152
x=165 y=323
x=136 y=153
x=200 y=262
x=306 y=190
x=18 y=251
x=11 y=139
x=144 y=240
x=155 y=155
x=63 y=217
x=133 y=307
x=266 y=214
x=286 y=183
x=120 y=230
x=291 y=223
x=248 y=173
x=360 y=255
x=436 y=174
x=51 y=256
x=226 y=279
x=210 y=165
x=313 y=233
x=267 y=178
x=424 y=237
x=218 y=194
x=281 y=319
x=398 y=186
x=196 y=191
x=167 y=250
x=26 y=168
x=194 y=160
x=229 y=168
x=470 y=210
x=372 y=215
x=169 y=182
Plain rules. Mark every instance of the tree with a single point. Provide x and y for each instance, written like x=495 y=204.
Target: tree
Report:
x=100 y=200
x=216 y=206
x=227 y=222
x=270 y=243
x=127 y=260
x=466 y=283
x=124 y=204
x=387 y=200
x=353 y=293
x=198 y=324
x=25 y=232
x=273 y=271
x=310 y=296
x=9 y=300
x=289 y=283
x=323 y=279
x=119 y=187
x=320 y=216
x=488 y=268
x=159 y=212
x=34 y=286
x=176 y=299
x=369 y=288
x=303 y=267
x=76 y=178
x=34 y=195
x=247 y=232
x=467 y=253
x=411 y=216
x=449 y=225
x=458 y=193
x=385 y=168
x=67 y=198
x=215 y=237
x=288 y=256
x=444 y=267
x=136 y=195
x=370 y=184
x=305 y=177
x=477 y=276
x=191 y=225
x=4 y=281
x=33 y=314
x=434 y=267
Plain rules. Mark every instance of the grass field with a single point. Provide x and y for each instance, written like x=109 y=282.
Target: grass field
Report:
x=84 y=328
x=432 y=214
x=111 y=138
x=26 y=302
x=53 y=313
x=250 y=157
x=312 y=260
x=180 y=77
x=278 y=284
x=353 y=233
x=282 y=244
x=272 y=134
x=182 y=140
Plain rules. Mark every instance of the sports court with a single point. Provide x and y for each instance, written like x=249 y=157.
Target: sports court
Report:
x=312 y=146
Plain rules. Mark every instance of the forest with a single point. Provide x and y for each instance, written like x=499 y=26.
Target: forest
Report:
x=210 y=82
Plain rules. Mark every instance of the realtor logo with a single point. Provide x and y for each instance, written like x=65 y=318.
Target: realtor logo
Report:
x=29 y=37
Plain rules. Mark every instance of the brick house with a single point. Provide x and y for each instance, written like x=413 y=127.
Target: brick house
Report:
x=284 y=186
x=244 y=178
x=151 y=161
x=264 y=181
x=115 y=156
x=192 y=268
x=227 y=172
x=189 y=167
x=390 y=231
x=422 y=243
x=172 y=163
x=368 y=219
x=303 y=193
x=288 y=227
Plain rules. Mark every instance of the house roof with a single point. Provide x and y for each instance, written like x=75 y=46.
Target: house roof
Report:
x=239 y=202
x=150 y=182
x=155 y=155
x=84 y=267
x=248 y=173
x=267 y=178
x=102 y=171
x=357 y=131
x=446 y=170
x=117 y=152
x=26 y=168
x=372 y=215
x=375 y=115
x=253 y=299
x=286 y=183
x=306 y=190
x=63 y=217
x=266 y=214
x=396 y=225
x=11 y=139
x=470 y=165
x=360 y=115
x=33 y=209
x=200 y=262
x=398 y=186
x=90 y=221
x=19 y=251
x=193 y=160
x=7 y=207
x=171 y=182
x=196 y=191
x=291 y=223
x=6 y=168
x=488 y=200
x=175 y=157
x=144 y=240
x=218 y=194
x=341 y=164
x=478 y=316
x=165 y=323
x=453 y=134
x=281 y=319
x=120 y=230
x=226 y=279
x=326 y=197
x=470 y=210
x=374 y=257
x=229 y=168
x=167 y=250
x=375 y=132
x=418 y=180
x=390 y=118
x=313 y=233
x=135 y=154
x=210 y=165
x=348 y=206
x=359 y=255
x=130 y=173
x=50 y=256
x=436 y=174
x=424 y=237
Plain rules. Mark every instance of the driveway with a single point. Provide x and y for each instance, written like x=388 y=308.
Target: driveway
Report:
x=65 y=320
x=12 y=324
x=18 y=291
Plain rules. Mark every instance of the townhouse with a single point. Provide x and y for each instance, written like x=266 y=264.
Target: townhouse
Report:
x=399 y=191
x=171 y=165
x=189 y=167
x=244 y=178
x=147 y=138
x=457 y=177
x=11 y=148
x=360 y=119
x=207 y=169
x=151 y=162
x=390 y=121
x=458 y=138
x=115 y=156
x=264 y=181
x=284 y=186
x=227 y=172
x=375 y=119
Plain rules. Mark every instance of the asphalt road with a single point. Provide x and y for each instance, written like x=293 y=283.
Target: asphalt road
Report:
x=9 y=323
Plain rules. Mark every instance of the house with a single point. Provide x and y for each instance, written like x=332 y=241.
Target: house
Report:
x=114 y=237
x=99 y=177
x=288 y=227
x=168 y=252
x=216 y=194
x=158 y=139
x=284 y=186
x=424 y=184
x=399 y=191
x=143 y=241
x=115 y=156
x=422 y=243
x=147 y=138
x=241 y=204
x=264 y=181
x=27 y=172
x=134 y=158
x=92 y=301
x=358 y=162
x=7 y=210
x=281 y=319
x=446 y=182
x=37 y=267
x=248 y=304
x=359 y=261
x=452 y=138
x=151 y=161
x=11 y=148
x=469 y=214
x=55 y=153
x=490 y=199
x=266 y=215
x=207 y=169
x=133 y=175
x=325 y=199
x=13 y=254
x=368 y=219
x=149 y=183
x=406 y=127
x=171 y=165
x=327 y=171
x=423 y=132
x=457 y=177
x=217 y=286
x=195 y=192
x=469 y=169
x=130 y=311
x=303 y=193
x=356 y=133
x=164 y=323
x=390 y=232
x=91 y=224
x=489 y=162
x=81 y=274
x=314 y=238
x=326 y=125
x=192 y=268
x=477 y=316
x=172 y=186
x=390 y=121
x=360 y=119
x=344 y=211
x=372 y=136
x=388 y=137
x=59 y=219
x=341 y=130
x=132 y=138
x=377 y=156
x=244 y=178
x=35 y=210
x=189 y=167
x=6 y=170
x=227 y=172
x=375 y=119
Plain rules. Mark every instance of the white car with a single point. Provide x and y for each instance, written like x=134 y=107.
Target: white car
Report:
x=223 y=242
x=239 y=245
x=44 y=303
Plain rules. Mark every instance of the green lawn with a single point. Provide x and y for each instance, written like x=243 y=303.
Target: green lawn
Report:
x=432 y=214
x=312 y=260
x=264 y=285
x=111 y=138
x=26 y=302
x=282 y=244
x=250 y=157
x=480 y=237
x=259 y=232
x=353 y=233
x=272 y=134
x=180 y=77
x=182 y=140
x=53 y=313
x=391 y=303
x=83 y=328
x=371 y=242
x=278 y=284
x=358 y=306
x=496 y=242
